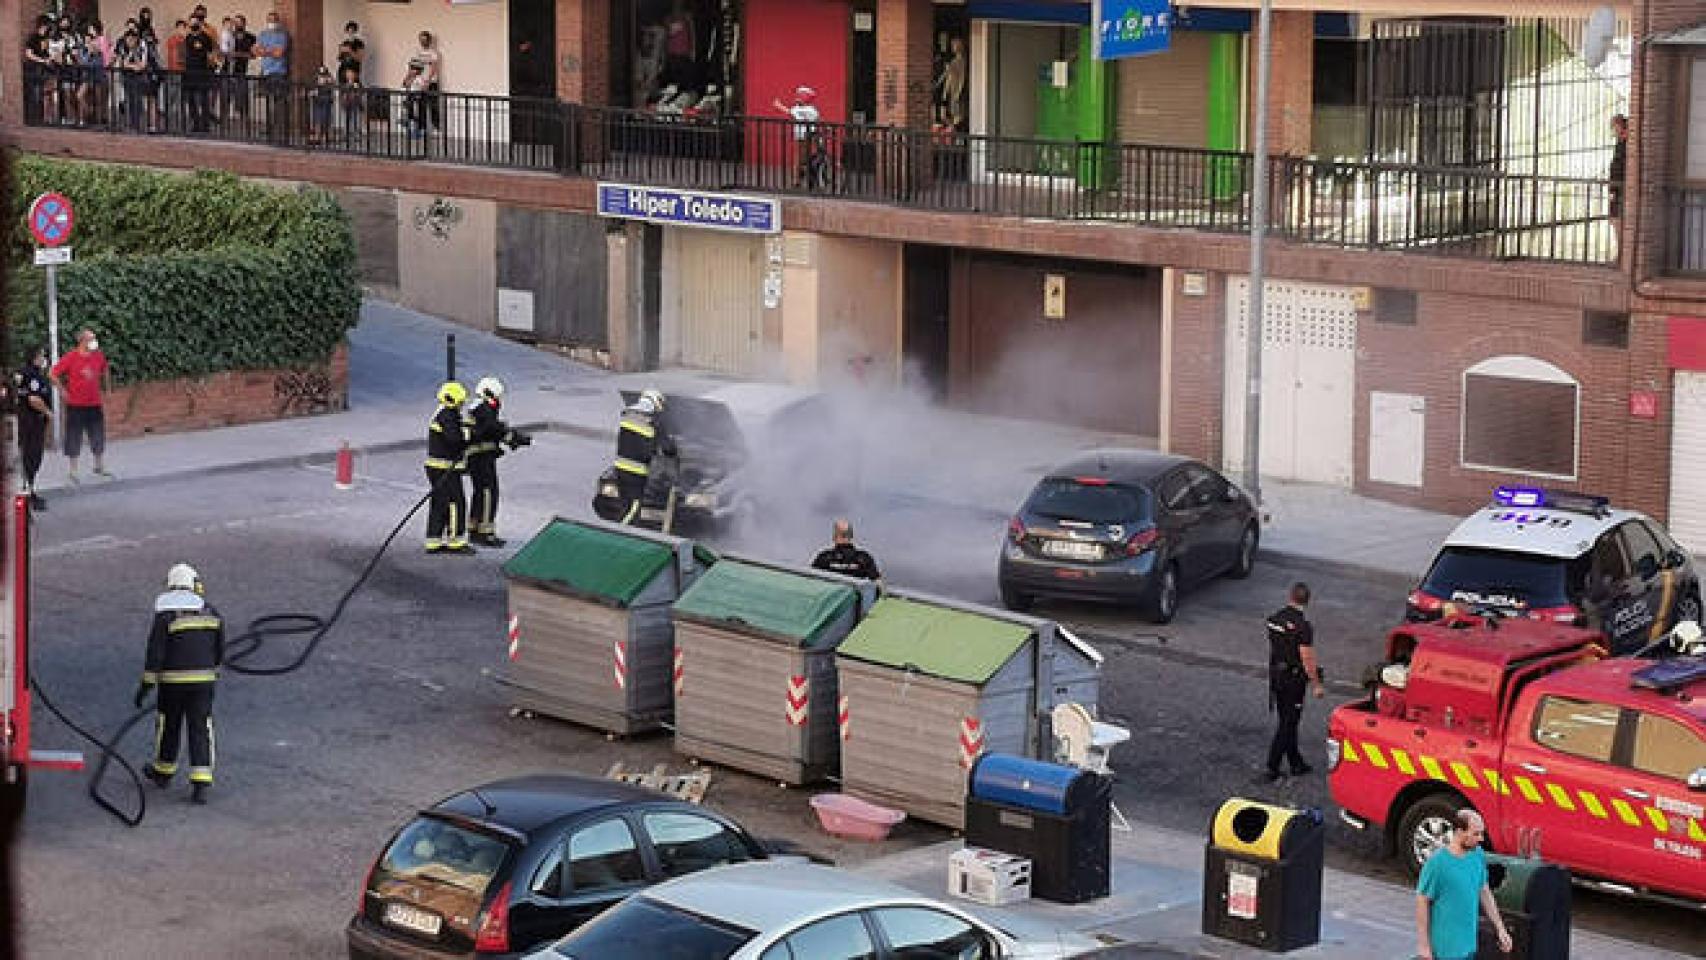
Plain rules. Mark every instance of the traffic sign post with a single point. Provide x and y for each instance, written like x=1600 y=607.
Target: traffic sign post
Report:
x=51 y=218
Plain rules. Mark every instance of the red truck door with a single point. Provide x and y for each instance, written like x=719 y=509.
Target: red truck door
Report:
x=1668 y=821
x=1558 y=775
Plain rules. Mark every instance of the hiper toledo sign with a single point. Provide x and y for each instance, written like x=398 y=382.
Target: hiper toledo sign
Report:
x=1131 y=28
x=689 y=208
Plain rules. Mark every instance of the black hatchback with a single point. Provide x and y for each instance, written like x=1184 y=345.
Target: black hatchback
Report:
x=1129 y=526
x=495 y=871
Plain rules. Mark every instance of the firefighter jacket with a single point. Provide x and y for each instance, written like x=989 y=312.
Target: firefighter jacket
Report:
x=486 y=430
x=187 y=642
x=639 y=438
x=447 y=440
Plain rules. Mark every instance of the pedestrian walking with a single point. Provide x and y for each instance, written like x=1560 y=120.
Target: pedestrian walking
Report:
x=34 y=400
x=1452 y=889
x=640 y=437
x=1616 y=174
x=80 y=376
x=1292 y=670
x=186 y=648
x=488 y=435
x=844 y=556
x=446 y=460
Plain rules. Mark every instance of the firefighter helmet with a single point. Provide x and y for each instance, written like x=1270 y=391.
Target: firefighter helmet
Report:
x=182 y=576
x=651 y=400
x=489 y=387
x=452 y=394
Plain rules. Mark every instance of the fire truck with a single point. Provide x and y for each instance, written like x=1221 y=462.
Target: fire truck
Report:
x=16 y=749
x=1596 y=764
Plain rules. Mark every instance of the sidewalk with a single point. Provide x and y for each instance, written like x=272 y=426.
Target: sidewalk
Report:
x=397 y=362
x=1155 y=909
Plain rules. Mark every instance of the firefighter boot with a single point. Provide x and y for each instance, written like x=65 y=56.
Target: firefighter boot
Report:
x=159 y=779
x=198 y=793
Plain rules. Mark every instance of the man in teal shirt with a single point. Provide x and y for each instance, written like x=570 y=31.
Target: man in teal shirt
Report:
x=1452 y=885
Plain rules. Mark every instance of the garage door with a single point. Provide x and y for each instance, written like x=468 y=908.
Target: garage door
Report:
x=1308 y=380
x=712 y=316
x=1688 y=461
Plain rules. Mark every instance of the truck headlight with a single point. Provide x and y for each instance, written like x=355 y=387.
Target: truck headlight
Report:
x=1334 y=752
x=700 y=501
x=609 y=490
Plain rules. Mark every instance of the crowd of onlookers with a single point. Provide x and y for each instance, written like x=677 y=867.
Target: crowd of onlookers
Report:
x=200 y=75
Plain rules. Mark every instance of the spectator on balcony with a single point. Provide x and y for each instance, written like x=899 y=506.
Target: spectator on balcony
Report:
x=130 y=62
x=431 y=64
x=200 y=49
x=322 y=98
x=237 y=66
x=414 y=99
x=62 y=55
x=273 y=49
x=169 y=89
x=145 y=26
x=1618 y=171
x=352 y=98
x=352 y=50
x=97 y=54
x=38 y=71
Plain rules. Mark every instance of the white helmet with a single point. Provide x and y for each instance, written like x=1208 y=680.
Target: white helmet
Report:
x=182 y=576
x=489 y=387
x=651 y=400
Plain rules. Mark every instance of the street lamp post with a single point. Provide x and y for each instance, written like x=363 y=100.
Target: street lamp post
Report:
x=1253 y=327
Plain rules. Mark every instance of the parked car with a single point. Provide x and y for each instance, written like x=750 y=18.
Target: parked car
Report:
x=502 y=868
x=787 y=910
x=1129 y=526
x=739 y=446
x=1565 y=557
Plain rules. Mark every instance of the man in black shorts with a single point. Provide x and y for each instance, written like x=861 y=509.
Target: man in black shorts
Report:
x=80 y=376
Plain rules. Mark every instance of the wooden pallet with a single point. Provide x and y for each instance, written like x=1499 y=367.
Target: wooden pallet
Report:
x=682 y=786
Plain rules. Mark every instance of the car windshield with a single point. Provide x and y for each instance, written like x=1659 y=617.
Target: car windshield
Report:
x=441 y=866
x=643 y=927
x=1499 y=578
x=1063 y=498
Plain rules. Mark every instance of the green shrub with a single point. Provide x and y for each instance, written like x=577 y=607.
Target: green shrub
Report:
x=187 y=275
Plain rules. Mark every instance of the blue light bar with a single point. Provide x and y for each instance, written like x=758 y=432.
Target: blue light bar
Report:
x=1519 y=497
x=1535 y=497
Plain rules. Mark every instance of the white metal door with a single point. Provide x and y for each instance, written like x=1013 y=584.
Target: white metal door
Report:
x=1308 y=380
x=1397 y=438
x=1688 y=461
x=713 y=312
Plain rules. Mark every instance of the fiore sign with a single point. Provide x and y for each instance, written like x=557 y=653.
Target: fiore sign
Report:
x=1131 y=28
x=689 y=208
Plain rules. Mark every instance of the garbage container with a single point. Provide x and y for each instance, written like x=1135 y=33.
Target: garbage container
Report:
x=1055 y=816
x=1262 y=875
x=1534 y=898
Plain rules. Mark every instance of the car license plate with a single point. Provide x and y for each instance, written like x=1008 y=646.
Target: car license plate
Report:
x=413 y=918
x=1072 y=549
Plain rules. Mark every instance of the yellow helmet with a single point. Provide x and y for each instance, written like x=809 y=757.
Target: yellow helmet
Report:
x=452 y=394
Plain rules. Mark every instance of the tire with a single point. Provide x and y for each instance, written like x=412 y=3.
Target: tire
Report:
x=1163 y=602
x=1015 y=600
x=1425 y=826
x=1245 y=560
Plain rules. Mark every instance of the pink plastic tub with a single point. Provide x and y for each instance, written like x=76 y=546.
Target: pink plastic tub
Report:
x=853 y=818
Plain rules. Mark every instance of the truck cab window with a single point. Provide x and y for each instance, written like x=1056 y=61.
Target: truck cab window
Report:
x=1666 y=748
x=1577 y=727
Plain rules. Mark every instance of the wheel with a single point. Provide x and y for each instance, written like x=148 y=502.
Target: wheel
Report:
x=1426 y=826
x=1015 y=600
x=1245 y=561
x=1688 y=608
x=1163 y=602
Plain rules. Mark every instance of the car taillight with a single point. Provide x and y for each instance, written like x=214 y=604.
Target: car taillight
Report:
x=492 y=936
x=1425 y=602
x=1016 y=530
x=1562 y=614
x=366 y=885
x=1141 y=540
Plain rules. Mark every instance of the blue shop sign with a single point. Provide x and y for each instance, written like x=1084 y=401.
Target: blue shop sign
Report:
x=689 y=208
x=1132 y=28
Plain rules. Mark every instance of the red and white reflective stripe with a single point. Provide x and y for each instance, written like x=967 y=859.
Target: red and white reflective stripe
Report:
x=514 y=636
x=619 y=657
x=799 y=697
x=971 y=740
x=846 y=732
x=678 y=671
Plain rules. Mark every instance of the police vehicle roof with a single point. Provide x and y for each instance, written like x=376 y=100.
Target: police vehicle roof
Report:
x=1119 y=466
x=1613 y=681
x=1544 y=531
x=525 y=804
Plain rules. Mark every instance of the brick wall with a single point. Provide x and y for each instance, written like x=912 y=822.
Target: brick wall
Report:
x=304 y=20
x=904 y=62
x=1291 y=82
x=583 y=51
x=1198 y=370
x=225 y=399
x=1657 y=136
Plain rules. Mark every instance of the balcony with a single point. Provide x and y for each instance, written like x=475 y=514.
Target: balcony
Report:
x=1467 y=212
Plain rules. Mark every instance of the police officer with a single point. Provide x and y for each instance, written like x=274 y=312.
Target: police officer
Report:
x=844 y=557
x=640 y=437
x=1292 y=670
x=446 y=459
x=488 y=434
x=34 y=399
x=185 y=650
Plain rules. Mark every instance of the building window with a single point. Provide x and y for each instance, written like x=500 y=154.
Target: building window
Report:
x=1521 y=415
x=1395 y=306
x=1602 y=328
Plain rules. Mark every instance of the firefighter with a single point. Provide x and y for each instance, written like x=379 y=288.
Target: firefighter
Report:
x=844 y=557
x=1292 y=670
x=185 y=650
x=488 y=434
x=446 y=460
x=640 y=437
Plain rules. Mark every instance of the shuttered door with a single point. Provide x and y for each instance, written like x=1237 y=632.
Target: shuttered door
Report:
x=1688 y=461
x=713 y=317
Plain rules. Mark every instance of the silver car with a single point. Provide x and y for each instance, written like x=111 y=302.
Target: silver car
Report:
x=790 y=910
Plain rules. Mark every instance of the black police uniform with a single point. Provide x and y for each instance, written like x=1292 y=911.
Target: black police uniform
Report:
x=185 y=650
x=447 y=450
x=1289 y=632
x=639 y=439
x=847 y=560
x=29 y=382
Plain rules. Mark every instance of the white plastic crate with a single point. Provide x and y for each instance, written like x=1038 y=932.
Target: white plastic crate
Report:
x=989 y=877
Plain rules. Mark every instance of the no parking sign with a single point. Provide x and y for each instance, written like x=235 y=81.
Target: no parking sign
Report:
x=51 y=219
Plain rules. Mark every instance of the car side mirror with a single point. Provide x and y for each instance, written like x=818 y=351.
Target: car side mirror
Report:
x=1697 y=780
x=1675 y=558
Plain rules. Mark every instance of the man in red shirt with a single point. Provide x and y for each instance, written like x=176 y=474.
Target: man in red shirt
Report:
x=80 y=376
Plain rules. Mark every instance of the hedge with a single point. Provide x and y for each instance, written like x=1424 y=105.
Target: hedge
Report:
x=183 y=276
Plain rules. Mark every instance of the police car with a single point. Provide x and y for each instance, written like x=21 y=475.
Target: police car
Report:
x=1564 y=557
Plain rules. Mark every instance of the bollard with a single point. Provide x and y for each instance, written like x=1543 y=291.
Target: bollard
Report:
x=346 y=467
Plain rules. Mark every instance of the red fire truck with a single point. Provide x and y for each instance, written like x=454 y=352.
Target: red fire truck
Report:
x=15 y=698
x=1596 y=764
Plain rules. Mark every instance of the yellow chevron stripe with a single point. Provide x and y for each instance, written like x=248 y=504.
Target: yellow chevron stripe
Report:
x=1592 y=804
x=1625 y=811
x=1496 y=783
x=1696 y=832
x=1657 y=818
x=1465 y=776
x=1402 y=759
x=1374 y=755
x=1528 y=792
x=1433 y=769
x=1561 y=797
x=1350 y=753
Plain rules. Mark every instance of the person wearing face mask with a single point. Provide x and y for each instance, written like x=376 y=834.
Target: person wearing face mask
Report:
x=273 y=49
x=80 y=376
x=33 y=399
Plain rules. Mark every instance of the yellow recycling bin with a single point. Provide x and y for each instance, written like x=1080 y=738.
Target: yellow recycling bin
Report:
x=1262 y=875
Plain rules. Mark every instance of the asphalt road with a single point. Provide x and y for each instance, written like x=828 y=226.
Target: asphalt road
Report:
x=399 y=706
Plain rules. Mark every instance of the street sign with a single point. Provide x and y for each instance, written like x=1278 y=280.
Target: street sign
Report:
x=1131 y=28
x=53 y=256
x=51 y=219
x=690 y=208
